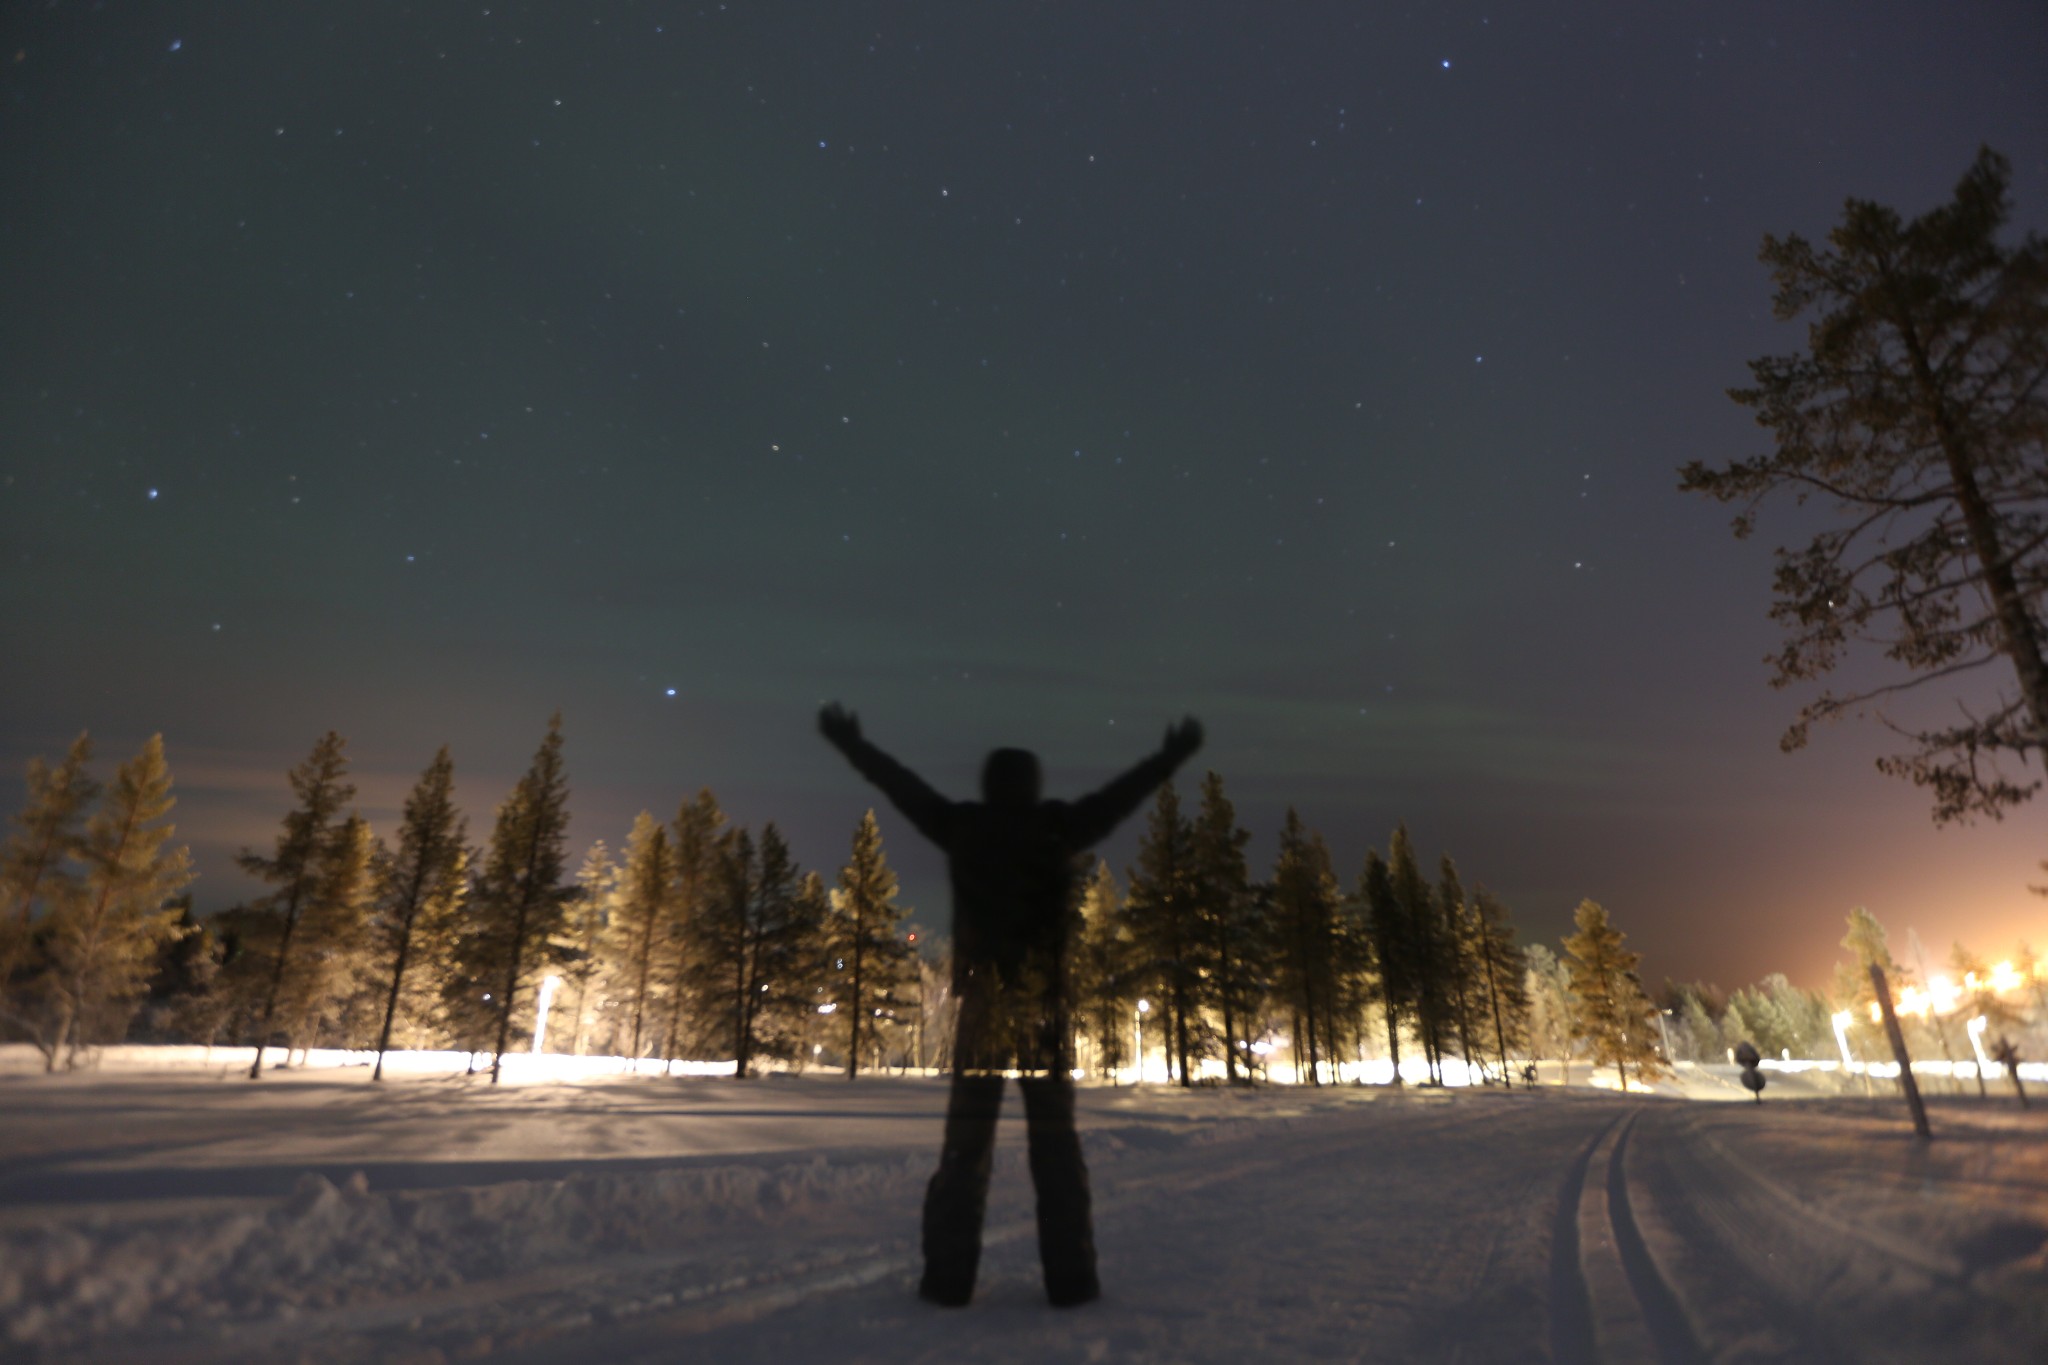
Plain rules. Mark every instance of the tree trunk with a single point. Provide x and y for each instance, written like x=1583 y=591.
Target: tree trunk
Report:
x=2015 y=624
x=284 y=948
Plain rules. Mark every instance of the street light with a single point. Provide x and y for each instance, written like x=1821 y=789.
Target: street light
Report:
x=1842 y=1020
x=1975 y=1028
x=1144 y=1008
x=548 y=986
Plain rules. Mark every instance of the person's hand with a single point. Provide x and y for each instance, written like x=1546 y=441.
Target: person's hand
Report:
x=839 y=725
x=1182 y=739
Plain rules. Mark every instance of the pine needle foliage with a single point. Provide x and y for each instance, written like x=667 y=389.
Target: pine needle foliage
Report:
x=104 y=935
x=1616 y=1019
x=295 y=865
x=424 y=877
x=1917 y=414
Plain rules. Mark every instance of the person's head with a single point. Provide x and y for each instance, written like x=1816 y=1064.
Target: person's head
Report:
x=1010 y=778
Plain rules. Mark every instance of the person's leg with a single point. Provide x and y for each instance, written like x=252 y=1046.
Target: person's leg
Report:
x=958 y=1193
x=1066 y=1232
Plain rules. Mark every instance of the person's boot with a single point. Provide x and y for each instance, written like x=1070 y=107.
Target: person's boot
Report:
x=945 y=1291
x=1072 y=1290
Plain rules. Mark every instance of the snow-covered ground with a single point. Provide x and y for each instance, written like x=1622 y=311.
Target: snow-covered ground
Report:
x=173 y=1214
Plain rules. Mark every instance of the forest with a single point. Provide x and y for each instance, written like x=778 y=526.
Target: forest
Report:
x=700 y=940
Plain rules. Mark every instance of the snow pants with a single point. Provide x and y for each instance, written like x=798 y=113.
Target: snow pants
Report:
x=957 y=1198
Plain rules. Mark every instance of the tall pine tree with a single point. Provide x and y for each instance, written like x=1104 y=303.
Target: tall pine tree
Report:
x=1393 y=960
x=1105 y=970
x=1429 y=975
x=48 y=833
x=1164 y=916
x=1616 y=1018
x=863 y=939
x=424 y=875
x=1304 y=907
x=1228 y=916
x=1501 y=977
x=521 y=897
x=695 y=827
x=646 y=907
x=588 y=938
x=294 y=866
x=104 y=938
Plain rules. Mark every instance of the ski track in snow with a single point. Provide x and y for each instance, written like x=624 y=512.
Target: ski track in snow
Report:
x=776 y=1221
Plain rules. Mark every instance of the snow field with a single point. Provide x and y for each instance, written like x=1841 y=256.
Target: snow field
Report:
x=154 y=1217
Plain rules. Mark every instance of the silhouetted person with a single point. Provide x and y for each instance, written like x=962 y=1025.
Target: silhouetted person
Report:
x=1011 y=857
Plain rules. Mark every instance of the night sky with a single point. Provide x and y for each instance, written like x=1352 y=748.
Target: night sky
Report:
x=1016 y=374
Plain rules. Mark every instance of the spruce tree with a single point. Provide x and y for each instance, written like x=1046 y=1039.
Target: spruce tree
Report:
x=424 y=875
x=589 y=937
x=294 y=866
x=646 y=906
x=1304 y=907
x=1554 y=1024
x=332 y=949
x=104 y=936
x=1427 y=958
x=1228 y=916
x=695 y=832
x=1164 y=915
x=520 y=898
x=33 y=863
x=1388 y=938
x=1501 y=977
x=1615 y=1016
x=1105 y=967
x=862 y=936
x=1456 y=932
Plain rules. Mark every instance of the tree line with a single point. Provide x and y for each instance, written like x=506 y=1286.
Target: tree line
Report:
x=702 y=939
x=705 y=939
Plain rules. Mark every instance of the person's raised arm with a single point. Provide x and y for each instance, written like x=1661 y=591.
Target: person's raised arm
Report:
x=908 y=792
x=1095 y=815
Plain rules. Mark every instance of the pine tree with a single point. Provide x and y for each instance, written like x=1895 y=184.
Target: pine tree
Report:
x=1388 y=938
x=1105 y=967
x=1163 y=914
x=332 y=948
x=294 y=865
x=520 y=899
x=1304 y=910
x=1228 y=916
x=48 y=833
x=1615 y=1016
x=695 y=829
x=806 y=981
x=588 y=938
x=1424 y=949
x=749 y=955
x=1554 y=1016
x=1502 y=977
x=1868 y=946
x=424 y=875
x=105 y=935
x=862 y=936
x=646 y=907
x=1916 y=412
x=1455 y=932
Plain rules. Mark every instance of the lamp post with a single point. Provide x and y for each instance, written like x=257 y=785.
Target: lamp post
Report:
x=1144 y=1008
x=548 y=986
x=1975 y=1028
